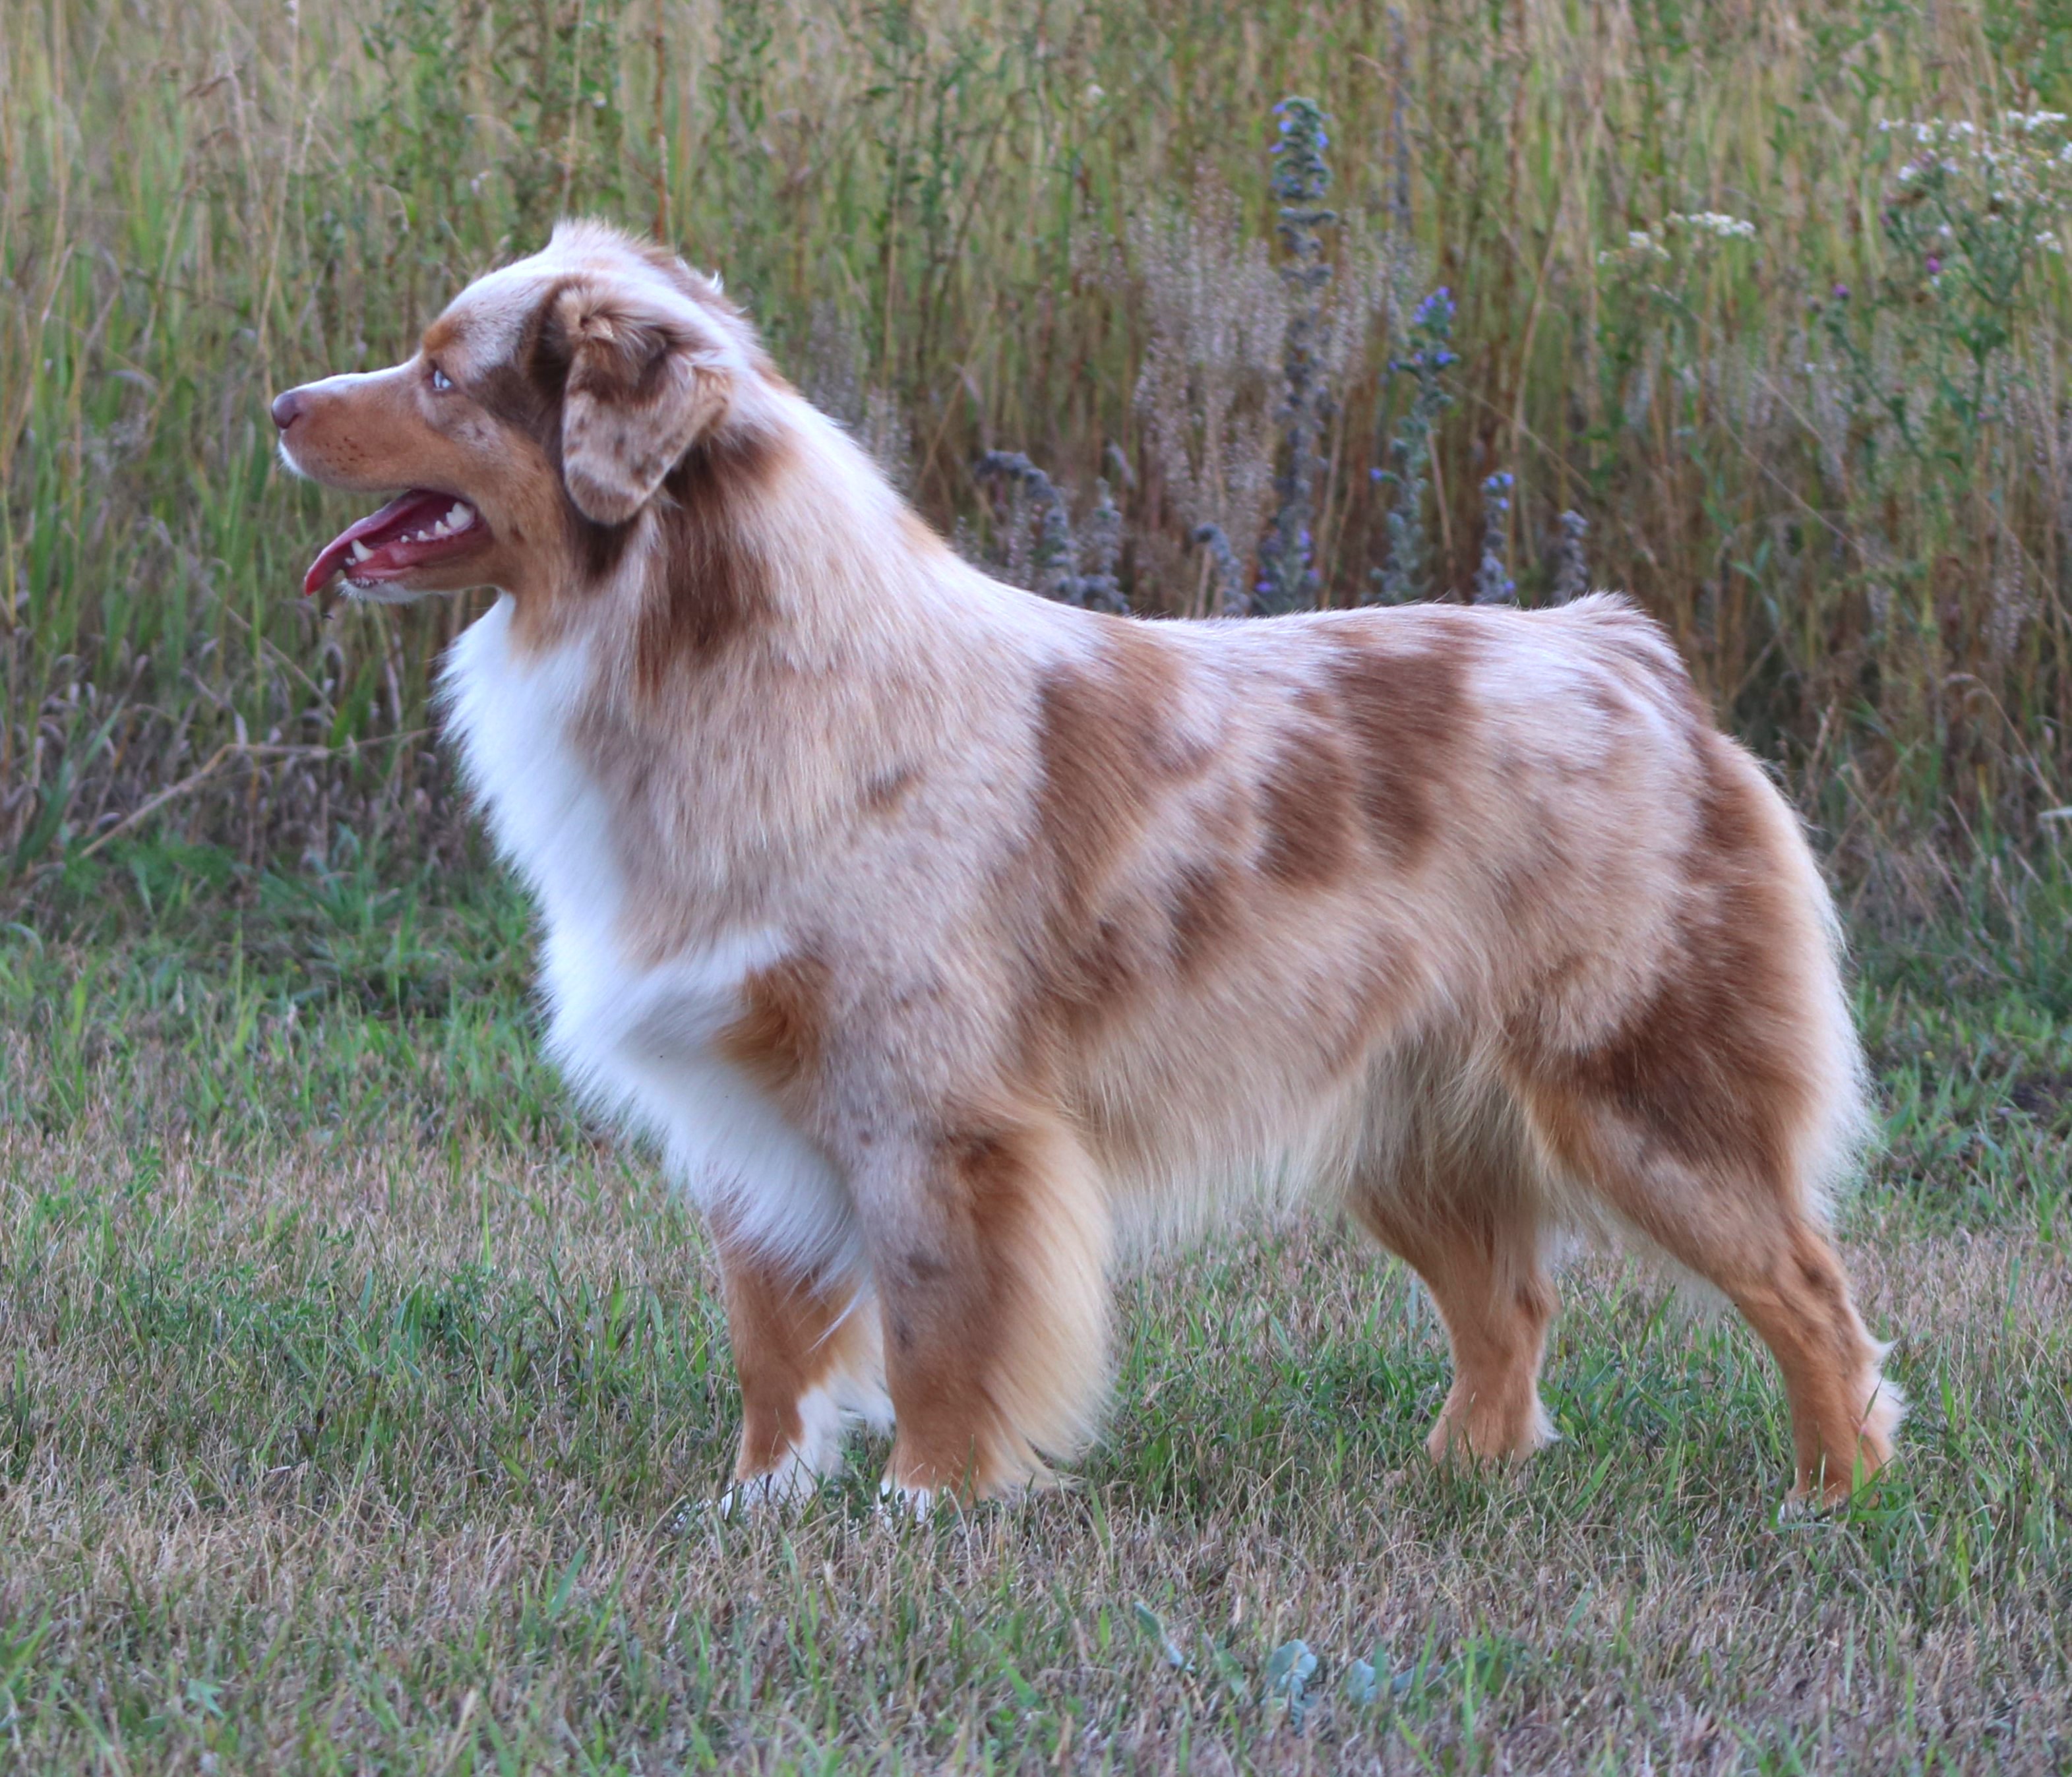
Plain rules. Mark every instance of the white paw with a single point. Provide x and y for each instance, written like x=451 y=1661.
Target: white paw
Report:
x=794 y=1480
x=918 y=1504
x=824 y=1417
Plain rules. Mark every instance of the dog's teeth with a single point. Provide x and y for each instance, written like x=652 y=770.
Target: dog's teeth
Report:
x=442 y=529
x=360 y=552
x=459 y=515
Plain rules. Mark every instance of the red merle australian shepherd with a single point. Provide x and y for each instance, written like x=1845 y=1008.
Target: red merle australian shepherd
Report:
x=943 y=936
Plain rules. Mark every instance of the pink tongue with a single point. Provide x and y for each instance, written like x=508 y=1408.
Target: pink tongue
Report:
x=407 y=512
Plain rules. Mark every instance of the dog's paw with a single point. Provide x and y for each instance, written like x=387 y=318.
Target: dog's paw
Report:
x=916 y=1505
x=783 y=1489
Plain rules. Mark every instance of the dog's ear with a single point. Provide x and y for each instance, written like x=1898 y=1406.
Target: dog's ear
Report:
x=642 y=387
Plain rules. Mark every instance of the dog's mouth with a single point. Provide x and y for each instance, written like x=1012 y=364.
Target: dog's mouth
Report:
x=414 y=529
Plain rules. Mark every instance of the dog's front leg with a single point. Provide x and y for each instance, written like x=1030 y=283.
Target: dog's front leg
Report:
x=805 y=1346
x=989 y=1245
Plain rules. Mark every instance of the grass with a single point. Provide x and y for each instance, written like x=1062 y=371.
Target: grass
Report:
x=966 y=228
x=358 y=1403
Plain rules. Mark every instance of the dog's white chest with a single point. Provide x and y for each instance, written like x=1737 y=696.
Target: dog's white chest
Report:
x=637 y=1038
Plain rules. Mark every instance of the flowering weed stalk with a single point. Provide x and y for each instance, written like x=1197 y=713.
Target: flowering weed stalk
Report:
x=1973 y=212
x=1058 y=553
x=1494 y=585
x=1287 y=579
x=1571 y=569
x=1404 y=575
x=1930 y=354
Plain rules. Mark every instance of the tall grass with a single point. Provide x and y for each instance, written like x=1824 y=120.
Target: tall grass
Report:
x=1832 y=451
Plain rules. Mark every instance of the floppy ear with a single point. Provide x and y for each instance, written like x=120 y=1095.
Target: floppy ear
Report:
x=642 y=388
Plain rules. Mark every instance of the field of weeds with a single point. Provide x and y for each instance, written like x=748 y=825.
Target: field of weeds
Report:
x=360 y=1401
x=1757 y=311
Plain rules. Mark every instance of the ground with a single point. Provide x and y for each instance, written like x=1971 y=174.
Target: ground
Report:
x=358 y=1403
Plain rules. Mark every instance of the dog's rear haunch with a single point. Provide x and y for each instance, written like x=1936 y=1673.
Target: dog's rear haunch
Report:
x=940 y=933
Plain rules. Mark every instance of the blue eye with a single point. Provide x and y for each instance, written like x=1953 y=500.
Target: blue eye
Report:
x=440 y=380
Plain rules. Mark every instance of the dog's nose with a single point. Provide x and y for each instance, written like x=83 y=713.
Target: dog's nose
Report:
x=286 y=407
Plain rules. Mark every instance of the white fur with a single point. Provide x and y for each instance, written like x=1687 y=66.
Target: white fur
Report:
x=637 y=1041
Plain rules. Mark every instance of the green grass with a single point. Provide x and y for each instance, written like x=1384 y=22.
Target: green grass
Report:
x=358 y=1402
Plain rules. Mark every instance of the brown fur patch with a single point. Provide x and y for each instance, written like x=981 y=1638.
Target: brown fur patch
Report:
x=1104 y=734
x=1466 y=1227
x=779 y=1039
x=1706 y=1066
x=712 y=584
x=1109 y=751
x=1305 y=812
x=527 y=392
x=1208 y=915
x=1406 y=711
x=949 y=1305
x=995 y=1324
x=885 y=794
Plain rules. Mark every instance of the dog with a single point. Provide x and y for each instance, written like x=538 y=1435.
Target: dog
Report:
x=946 y=937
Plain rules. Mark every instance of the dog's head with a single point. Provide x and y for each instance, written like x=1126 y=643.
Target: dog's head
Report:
x=546 y=406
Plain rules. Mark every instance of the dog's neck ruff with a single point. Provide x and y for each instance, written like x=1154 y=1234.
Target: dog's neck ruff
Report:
x=672 y=831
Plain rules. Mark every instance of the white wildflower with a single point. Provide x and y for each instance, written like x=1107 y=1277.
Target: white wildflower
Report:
x=1712 y=222
x=1640 y=244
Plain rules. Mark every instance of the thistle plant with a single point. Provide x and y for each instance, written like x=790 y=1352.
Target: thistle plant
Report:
x=1405 y=574
x=1494 y=585
x=1099 y=548
x=1301 y=177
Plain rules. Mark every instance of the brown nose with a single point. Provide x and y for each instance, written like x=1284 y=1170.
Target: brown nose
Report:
x=286 y=407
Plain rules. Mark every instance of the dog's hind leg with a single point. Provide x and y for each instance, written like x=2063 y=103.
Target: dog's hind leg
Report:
x=1467 y=1223
x=1710 y=1119
x=990 y=1253
x=1742 y=1223
x=806 y=1347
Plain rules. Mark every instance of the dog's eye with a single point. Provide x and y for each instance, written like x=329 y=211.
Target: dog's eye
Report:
x=440 y=380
